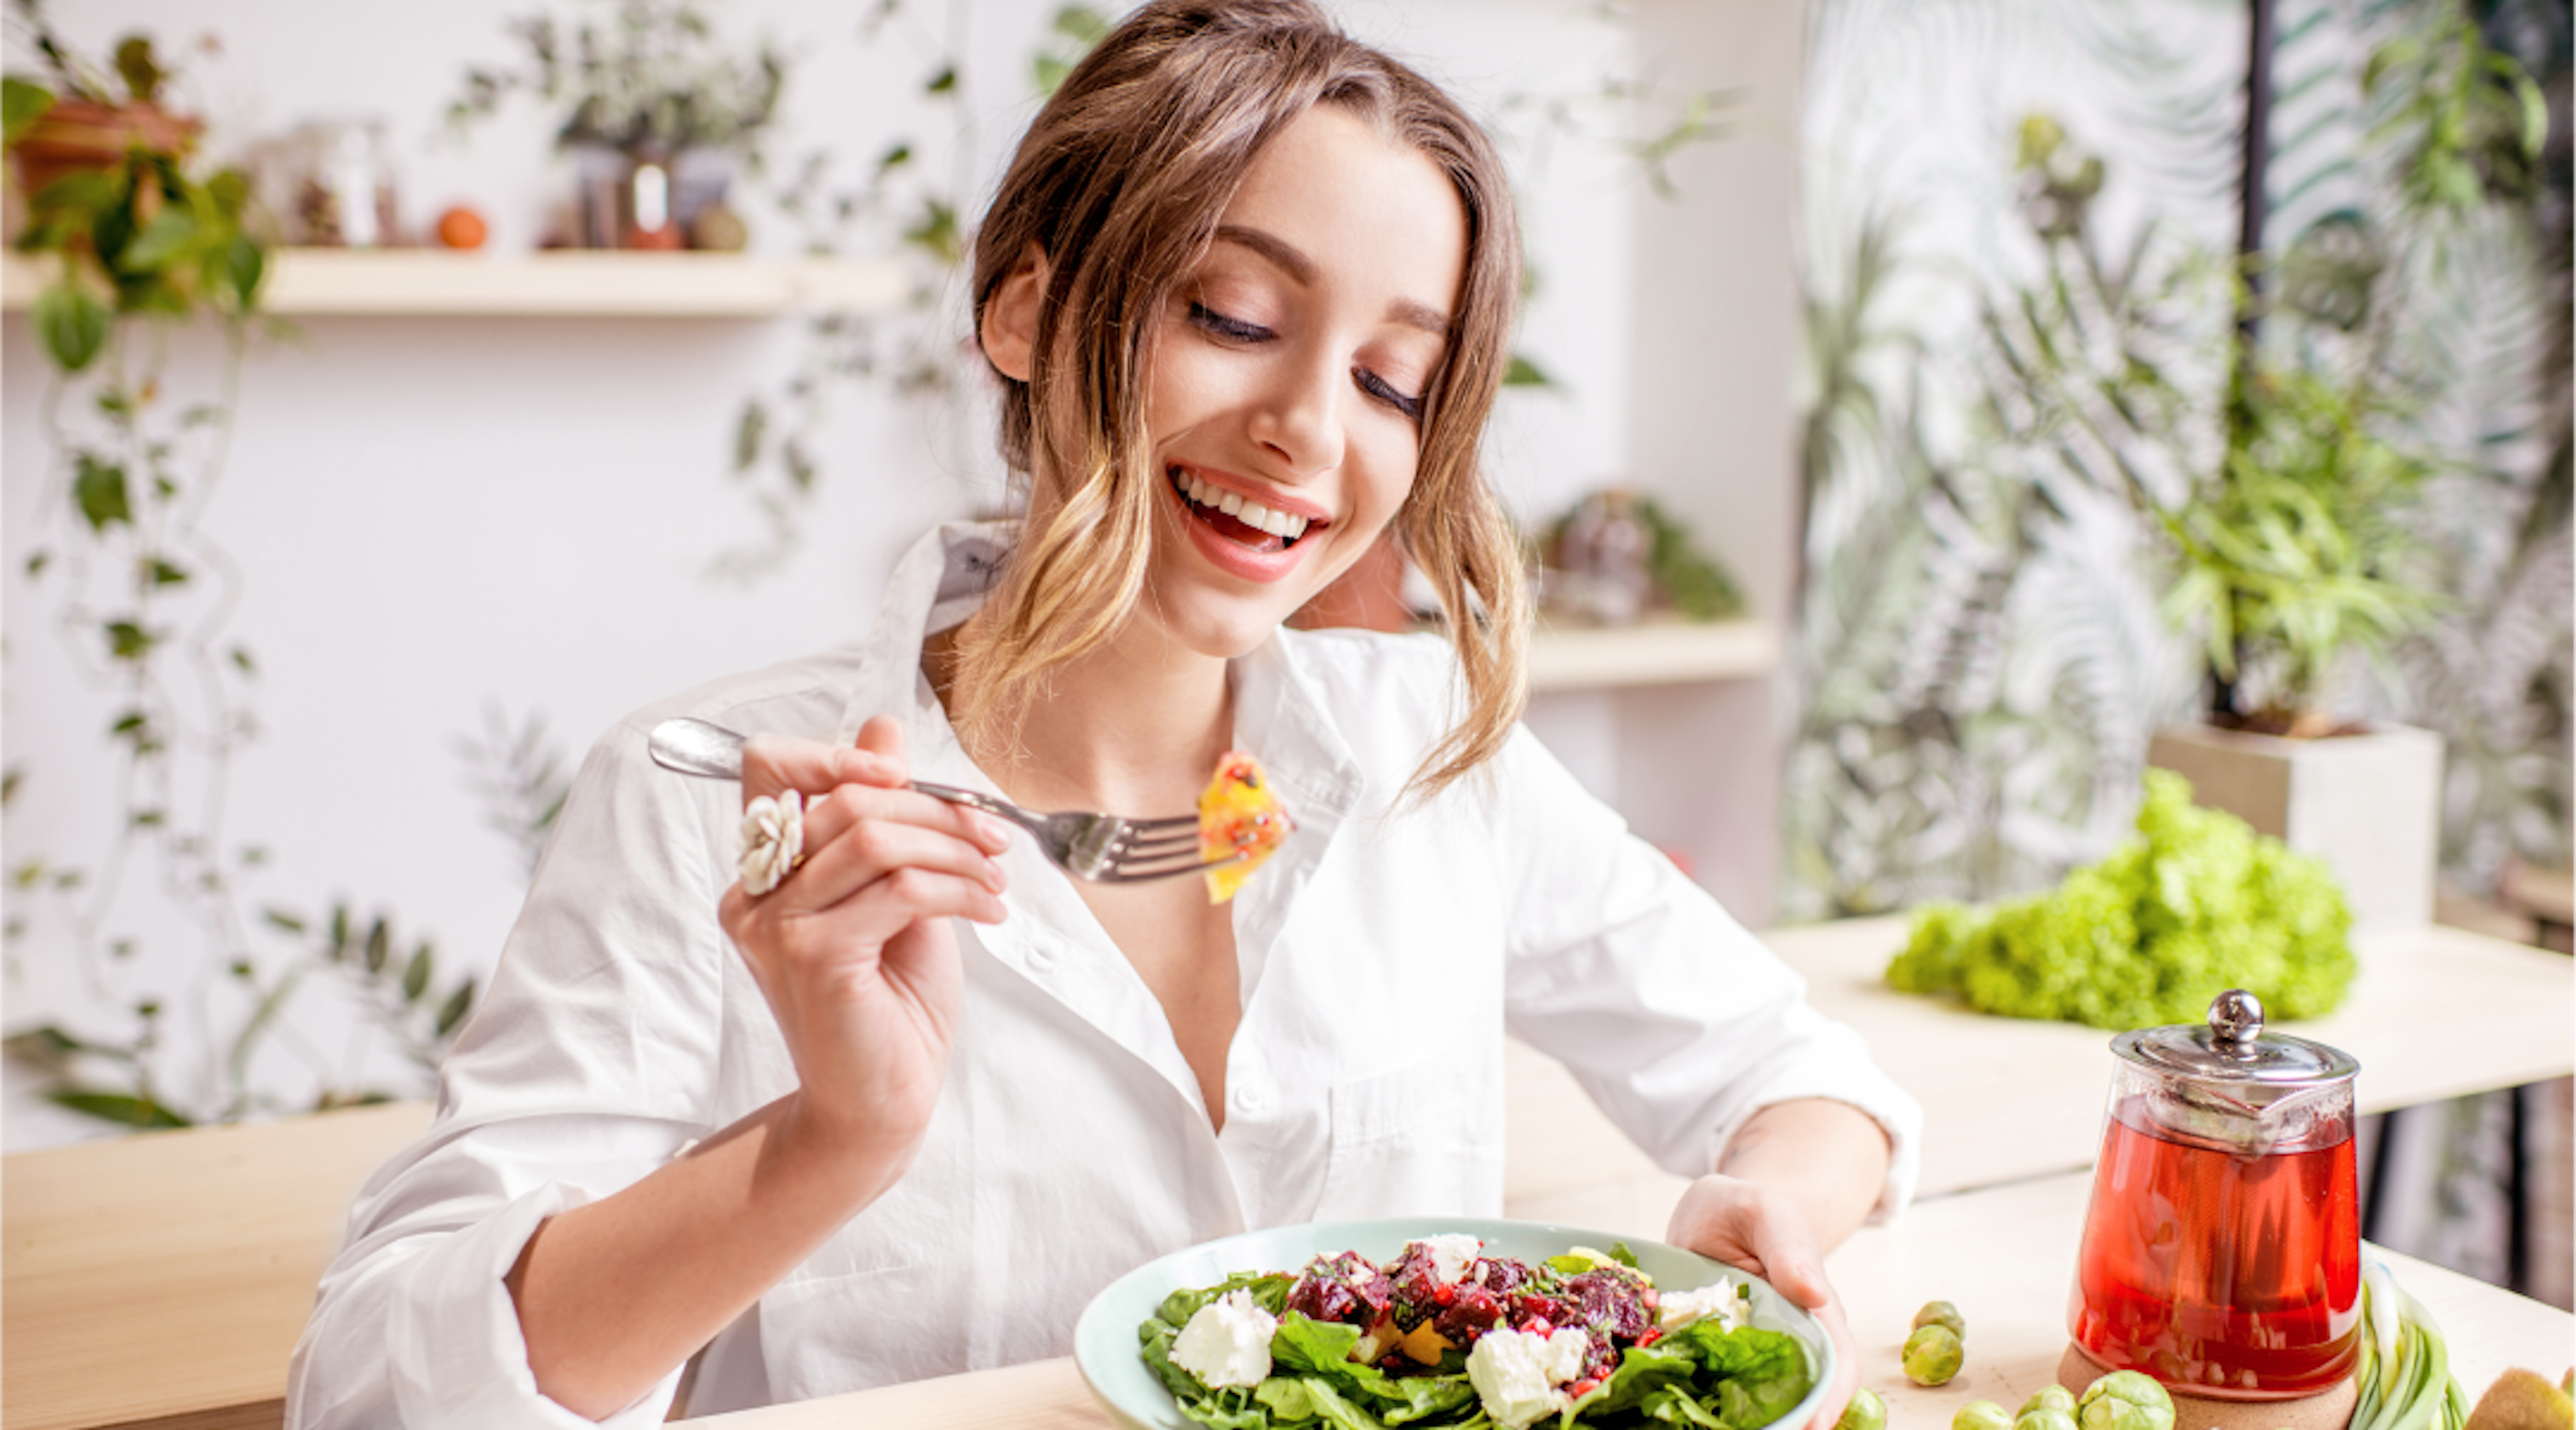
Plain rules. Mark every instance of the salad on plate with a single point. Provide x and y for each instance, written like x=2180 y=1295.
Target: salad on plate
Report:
x=1447 y=1335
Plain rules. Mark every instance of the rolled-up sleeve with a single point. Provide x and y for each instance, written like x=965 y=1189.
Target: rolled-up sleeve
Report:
x=585 y=1066
x=1676 y=1020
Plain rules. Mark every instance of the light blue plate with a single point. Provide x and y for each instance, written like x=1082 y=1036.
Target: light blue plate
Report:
x=1106 y=1349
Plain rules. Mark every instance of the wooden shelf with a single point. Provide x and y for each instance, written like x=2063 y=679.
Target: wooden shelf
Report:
x=1654 y=653
x=419 y=282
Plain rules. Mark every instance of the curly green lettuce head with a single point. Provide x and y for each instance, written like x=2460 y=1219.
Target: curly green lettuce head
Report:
x=2197 y=904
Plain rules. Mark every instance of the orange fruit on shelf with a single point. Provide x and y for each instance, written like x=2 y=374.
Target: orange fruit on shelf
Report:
x=462 y=228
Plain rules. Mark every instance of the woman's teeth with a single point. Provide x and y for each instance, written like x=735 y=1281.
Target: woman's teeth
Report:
x=1251 y=513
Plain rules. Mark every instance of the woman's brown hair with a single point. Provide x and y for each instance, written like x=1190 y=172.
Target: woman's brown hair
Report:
x=1120 y=182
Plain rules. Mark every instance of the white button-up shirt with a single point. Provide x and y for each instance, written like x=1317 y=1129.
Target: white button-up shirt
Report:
x=1383 y=954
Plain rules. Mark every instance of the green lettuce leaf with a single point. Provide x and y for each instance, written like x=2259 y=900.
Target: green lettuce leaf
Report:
x=1761 y=1373
x=1321 y=1350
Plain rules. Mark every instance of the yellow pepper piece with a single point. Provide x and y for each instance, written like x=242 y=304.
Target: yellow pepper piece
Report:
x=1424 y=1344
x=1239 y=815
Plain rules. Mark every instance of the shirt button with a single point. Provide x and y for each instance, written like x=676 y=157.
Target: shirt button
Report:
x=1249 y=1101
x=1041 y=957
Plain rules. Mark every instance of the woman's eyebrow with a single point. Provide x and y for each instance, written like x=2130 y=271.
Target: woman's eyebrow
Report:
x=1289 y=259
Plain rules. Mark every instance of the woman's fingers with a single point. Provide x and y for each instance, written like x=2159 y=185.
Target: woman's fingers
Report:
x=772 y=764
x=829 y=816
x=869 y=850
x=775 y=934
x=1847 y=1366
x=1760 y=1229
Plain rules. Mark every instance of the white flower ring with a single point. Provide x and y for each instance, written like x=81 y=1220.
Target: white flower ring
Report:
x=773 y=840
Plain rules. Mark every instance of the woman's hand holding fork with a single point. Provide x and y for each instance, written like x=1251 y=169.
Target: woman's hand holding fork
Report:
x=853 y=950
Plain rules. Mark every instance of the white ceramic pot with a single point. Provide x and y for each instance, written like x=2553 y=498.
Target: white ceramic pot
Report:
x=2368 y=804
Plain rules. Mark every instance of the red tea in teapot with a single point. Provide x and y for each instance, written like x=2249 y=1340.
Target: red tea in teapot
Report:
x=2226 y=1275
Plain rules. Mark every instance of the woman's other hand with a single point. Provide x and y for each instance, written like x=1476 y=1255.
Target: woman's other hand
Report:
x=1795 y=1179
x=853 y=949
x=1758 y=1229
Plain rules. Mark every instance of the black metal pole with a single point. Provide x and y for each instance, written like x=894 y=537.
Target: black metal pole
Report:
x=2251 y=202
x=2517 y=1188
x=2251 y=198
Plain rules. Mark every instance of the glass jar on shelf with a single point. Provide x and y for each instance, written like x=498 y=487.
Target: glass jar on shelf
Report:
x=342 y=189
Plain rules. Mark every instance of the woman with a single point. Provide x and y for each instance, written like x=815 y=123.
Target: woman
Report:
x=903 y=1113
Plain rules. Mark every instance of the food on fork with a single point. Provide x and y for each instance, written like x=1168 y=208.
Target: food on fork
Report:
x=1241 y=821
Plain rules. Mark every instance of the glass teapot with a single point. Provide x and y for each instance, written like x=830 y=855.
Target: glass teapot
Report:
x=2222 y=1249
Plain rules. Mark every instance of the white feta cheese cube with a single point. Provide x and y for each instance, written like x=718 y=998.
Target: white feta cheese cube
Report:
x=1721 y=1298
x=1451 y=1255
x=1519 y=1376
x=1227 y=1342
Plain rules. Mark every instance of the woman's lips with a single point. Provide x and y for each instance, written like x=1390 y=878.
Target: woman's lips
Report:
x=1231 y=545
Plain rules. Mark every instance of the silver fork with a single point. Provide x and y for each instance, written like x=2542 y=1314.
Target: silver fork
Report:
x=1104 y=848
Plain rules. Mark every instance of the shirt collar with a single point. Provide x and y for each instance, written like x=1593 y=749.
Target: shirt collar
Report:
x=1279 y=716
x=944 y=578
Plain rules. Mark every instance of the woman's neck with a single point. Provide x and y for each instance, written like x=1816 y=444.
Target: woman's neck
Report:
x=1131 y=727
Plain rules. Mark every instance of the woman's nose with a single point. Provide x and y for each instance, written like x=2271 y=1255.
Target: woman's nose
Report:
x=1299 y=416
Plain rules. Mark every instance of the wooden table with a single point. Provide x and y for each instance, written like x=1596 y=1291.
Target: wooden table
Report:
x=1953 y=1249
x=2435 y=1012
x=163 y=1279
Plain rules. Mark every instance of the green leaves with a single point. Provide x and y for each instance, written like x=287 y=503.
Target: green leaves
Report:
x=2198 y=903
x=22 y=103
x=451 y=1014
x=2470 y=120
x=71 y=324
x=2300 y=549
x=98 y=489
x=151 y=237
x=1075 y=29
x=935 y=230
x=128 y=640
x=415 y=979
x=140 y=1113
x=141 y=71
x=162 y=241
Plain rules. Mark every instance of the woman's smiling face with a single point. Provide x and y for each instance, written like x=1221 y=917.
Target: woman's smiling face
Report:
x=1287 y=378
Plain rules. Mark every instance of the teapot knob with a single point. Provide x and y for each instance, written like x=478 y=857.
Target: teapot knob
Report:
x=2236 y=1020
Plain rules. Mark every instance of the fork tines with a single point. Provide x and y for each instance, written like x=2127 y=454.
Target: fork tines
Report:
x=1159 y=849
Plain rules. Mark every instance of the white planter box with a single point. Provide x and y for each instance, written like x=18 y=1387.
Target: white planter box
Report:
x=2369 y=805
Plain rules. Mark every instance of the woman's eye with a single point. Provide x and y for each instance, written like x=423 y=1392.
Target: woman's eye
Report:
x=1233 y=330
x=1378 y=387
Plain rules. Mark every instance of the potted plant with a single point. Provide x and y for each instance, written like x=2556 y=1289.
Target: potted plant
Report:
x=655 y=115
x=109 y=192
x=74 y=120
x=2293 y=556
x=2297 y=552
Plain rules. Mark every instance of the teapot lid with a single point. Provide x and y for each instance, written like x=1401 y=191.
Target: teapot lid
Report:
x=2233 y=1048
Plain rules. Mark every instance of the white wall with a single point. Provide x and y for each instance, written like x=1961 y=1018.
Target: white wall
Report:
x=1712 y=333
x=439 y=515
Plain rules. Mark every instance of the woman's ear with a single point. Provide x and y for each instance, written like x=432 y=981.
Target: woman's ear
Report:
x=1010 y=326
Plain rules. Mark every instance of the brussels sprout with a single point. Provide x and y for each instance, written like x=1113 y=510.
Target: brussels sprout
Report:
x=1941 y=1313
x=1981 y=1415
x=2046 y=1417
x=1932 y=1355
x=1866 y=1412
x=2125 y=1400
x=2050 y=1397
